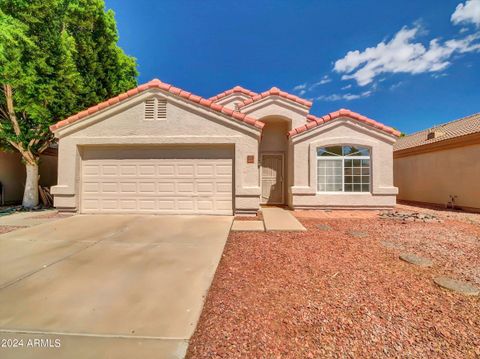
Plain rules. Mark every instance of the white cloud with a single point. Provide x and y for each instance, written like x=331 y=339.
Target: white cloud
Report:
x=396 y=85
x=347 y=87
x=468 y=13
x=325 y=80
x=300 y=87
x=303 y=88
x=402 y=55
x=346 y=97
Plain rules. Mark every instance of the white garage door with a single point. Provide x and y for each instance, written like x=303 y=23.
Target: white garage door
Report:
x=132 y=182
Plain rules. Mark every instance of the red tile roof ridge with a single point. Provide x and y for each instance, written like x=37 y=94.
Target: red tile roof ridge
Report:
x=275 y=91
x=236 y=89
x=314 y=121
x=156 y=83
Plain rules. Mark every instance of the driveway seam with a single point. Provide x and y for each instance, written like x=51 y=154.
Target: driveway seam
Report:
x=113 y=336
x=45 y=266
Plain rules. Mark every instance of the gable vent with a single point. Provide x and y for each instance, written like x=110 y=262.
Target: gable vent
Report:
x=161 y=108
x=150 y=109
x=155 y=109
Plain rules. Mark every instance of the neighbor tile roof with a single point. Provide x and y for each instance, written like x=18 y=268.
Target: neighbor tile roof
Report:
x=156 y=83
x=461 y=127
x=236 y=89
x=274 y=91
x=314 y=121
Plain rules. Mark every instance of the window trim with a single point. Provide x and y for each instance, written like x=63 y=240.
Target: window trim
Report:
x=332 y=158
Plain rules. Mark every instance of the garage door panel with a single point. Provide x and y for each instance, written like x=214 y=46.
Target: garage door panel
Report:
x=166 y=204
x=166 y=170
x=91 y=204
x=206 y=205
x=223 y=204
x=110 y=187
x=128 y=170
x=128 y=187
x=91 y=170
x=91 y=187
x=223 y=170
x=166 y=188
x=128 y=204
x=110 y=170
x=147 y=170
x=143 y=185
x=223 y=188
x=147 y=187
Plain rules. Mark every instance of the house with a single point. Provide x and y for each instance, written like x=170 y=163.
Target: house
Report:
x=441 y=165
x=161 y=149
x=13 y=174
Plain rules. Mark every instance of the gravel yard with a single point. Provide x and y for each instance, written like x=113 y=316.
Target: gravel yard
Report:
x=335 y=292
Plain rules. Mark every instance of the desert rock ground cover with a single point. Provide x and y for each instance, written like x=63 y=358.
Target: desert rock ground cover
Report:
x=326 y=293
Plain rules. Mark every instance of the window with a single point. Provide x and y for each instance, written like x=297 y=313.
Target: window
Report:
x=343 y=169
x=155 y=109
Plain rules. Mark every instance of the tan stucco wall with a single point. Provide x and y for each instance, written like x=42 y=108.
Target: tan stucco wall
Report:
x=186 y=124
x=433 y=176
x=48 y=170
x=12 y=174
x=342 y=131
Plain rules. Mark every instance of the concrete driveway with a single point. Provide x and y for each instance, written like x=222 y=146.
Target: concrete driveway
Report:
x=107 y=286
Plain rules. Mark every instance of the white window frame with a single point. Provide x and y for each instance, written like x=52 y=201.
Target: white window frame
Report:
x=343 y=158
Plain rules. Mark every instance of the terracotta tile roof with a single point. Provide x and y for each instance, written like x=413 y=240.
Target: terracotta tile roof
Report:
x=314 y=121
x=156 y=83
x=274 y=91
x=236 y=89
x=461 y=127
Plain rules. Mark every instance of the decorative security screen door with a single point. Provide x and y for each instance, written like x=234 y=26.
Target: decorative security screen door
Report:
x=272 y=178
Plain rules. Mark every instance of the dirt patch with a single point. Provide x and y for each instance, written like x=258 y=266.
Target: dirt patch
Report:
x=53 y=215
x=6 y=229
x=321 y=293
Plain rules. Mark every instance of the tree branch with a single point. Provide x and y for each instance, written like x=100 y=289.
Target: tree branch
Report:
x=43 y=147
x=11 y=110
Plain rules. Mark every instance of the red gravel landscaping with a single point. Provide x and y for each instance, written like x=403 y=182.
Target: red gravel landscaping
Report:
x=329 y=292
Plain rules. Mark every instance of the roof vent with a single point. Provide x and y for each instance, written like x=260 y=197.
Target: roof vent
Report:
x=434 y=133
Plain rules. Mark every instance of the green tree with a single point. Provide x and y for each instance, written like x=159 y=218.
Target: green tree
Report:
x=57 y=57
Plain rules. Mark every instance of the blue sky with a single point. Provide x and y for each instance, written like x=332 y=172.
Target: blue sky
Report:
x=422 y=66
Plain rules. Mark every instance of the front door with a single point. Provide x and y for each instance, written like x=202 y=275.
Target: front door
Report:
x=272 y=178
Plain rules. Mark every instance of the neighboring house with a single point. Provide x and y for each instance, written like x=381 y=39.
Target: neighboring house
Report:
x=160 y=149
x=441 y=164
x=12 y=174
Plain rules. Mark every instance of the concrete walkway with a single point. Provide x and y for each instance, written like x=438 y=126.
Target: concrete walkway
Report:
x=248 y=226
x=26 y=219
x=108 y=286
x=280 y=219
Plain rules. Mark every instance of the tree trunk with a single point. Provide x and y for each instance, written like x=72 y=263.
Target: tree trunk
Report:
x=30 y=196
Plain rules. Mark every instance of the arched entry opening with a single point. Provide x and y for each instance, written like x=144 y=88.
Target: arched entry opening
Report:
x=274 y=159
